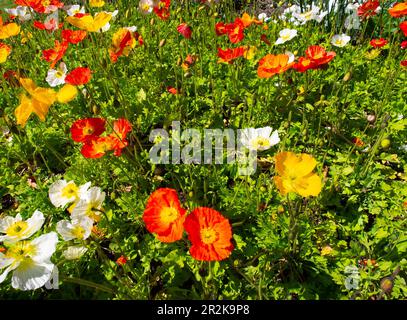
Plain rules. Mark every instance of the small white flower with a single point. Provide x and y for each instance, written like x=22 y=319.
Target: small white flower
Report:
x=61 y=192
x=263 y=17
x=146 y=6
x=30 y=262
x=259 y=139
x=286 y=35
x=16 y=229
x=20 y=12
x=56 y=77
x=76 y=229
x=74 y=252
x=90 y=204
x=352 y=21
x=340 y=40
x=74 y=9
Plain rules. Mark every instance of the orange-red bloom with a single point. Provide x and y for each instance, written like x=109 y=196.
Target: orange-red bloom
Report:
x=304 y=64
x=378 y=43
x=248 y=21
x=123 y=42
x=162 y=9
x=121 y=261
x=273 y=64
x=403 y=44
x=55 y=54
x=235 y=31
x=164 y=215
x=185 y=30
x=41 y=6
x=228 y=55
x=368 y=9
x=398 y=10
x=403 y=63
x=73 y=36
x=84 y=130
x=210 y=234
x=319 y=56
x=78 y=76
x=97 y=147
x=121 y=128
x=403 y=27
x=172 y=90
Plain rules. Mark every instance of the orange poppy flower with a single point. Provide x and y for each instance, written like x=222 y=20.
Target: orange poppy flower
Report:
x=55 y=54
x=403 y=27
x=164 y=215
x=358 y=142
x=84 y=130
x=210 y=234
x=319 y=56
x=5 y=51
x=41 y=6
x=78 y=76
x=189 y=61
x=378 y=43
x=172 y=90
x=248 y=21
x=228 y=55
x=123 y=42
x=97 y=147
x=398 y=10
x=368 y=9
x=73 y=36
x=121 y=128
x=162 y=9
x=121 y=261
x=273 y=64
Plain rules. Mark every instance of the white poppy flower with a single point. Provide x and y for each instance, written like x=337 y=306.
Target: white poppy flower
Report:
x=30 y=262
x=352 y=21
x=74 y=252
x=291 y=56
x=61 y=192
x=259 y=139
x=56 y=77
x=313 y=13
x=22 y=12
x=146 y=6
x=263 y=17
x=286 y=35
x=74 y=9
x=76 y=229
x=340 y=40
x=90 y=205
x=16 y=229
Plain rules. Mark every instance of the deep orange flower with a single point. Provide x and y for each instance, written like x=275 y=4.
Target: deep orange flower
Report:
x=235 y=31
x=162 y=9
x=84 y=130
x=319 y=56
x=172 y=90
x=358 y=142
x=40 y=6
x=97 y=147
x=398 y=10
x=248 y=21
x=403 y=27
x=185 y=30
x=73 y=36
x=121 y=128
x=368 y=9
x=228 y=55
x=378 y=43
x=78 y=76
x=164 y=215
x=273 y=64
x=210 y=234
x=189 y=61
x=55 y=54
x=123 y=42
x=121 y=261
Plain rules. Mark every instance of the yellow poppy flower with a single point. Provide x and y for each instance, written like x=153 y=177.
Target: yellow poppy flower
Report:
x=4 y=52
x=90 y=24
x=295 y=174
x=8 y=30
x=67 y=93
x=96 y=3
x=39 y=101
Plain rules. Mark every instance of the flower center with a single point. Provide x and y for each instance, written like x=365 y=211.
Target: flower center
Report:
x=17 y=228
x=169 y=215
x=59 y=74
x=208 y=235
x=21 y=250
x=78 y=232
x=261 y=142
x=69 y=191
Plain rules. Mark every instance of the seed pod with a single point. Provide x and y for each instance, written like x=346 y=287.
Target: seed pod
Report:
x=347 y=77
x=95 y=109
x=188 y=75
x=152 y=21
x=162 y=43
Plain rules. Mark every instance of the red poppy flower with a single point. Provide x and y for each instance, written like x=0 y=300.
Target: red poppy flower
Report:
x=319 y=56
x=172 y=90
x=162 y=9
x=304 y=64
x=84 y=130
x=123 y=42
x=403 y=45
x=185 y=30
x=235 y=31
x=121 y=261
x=403 y=63
x=55 y=54
x=368 y=9
x=164 y=215
x=273 y=64
x=41 y=6
x=78 y=76
x=398 y=10
x=220 y=29
x=73 y=36
x=403 y=27
x=121 y=128
x=358 y=142
x=229 y=55
x=210 y=234
x=51 y=25
x=97 y=147
x=378 y=43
